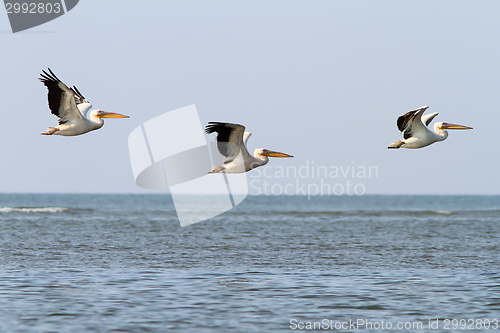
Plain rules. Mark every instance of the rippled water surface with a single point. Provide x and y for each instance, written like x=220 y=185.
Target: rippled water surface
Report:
x=122 y=263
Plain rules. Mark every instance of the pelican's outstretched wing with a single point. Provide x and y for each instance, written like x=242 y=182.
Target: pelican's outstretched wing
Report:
x=246 y=136
x=229 y=139
x=411 y=122
x=428 y=118
x=62 y=101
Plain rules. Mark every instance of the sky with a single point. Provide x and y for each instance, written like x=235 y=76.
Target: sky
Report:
x=324 y=81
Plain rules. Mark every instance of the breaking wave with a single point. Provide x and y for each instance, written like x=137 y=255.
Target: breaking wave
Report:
x=32 y=209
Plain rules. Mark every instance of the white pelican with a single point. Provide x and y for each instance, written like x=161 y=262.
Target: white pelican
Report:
x=415 y=131
x=72 y=109
x=231 y=142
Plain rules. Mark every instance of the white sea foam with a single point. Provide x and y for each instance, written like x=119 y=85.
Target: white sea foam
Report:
x=32 y=209
x=444 y=212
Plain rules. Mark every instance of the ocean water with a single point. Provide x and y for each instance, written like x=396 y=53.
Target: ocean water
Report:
x=122 y=263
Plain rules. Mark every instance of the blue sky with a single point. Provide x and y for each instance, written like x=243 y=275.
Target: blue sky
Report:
x=322 y=80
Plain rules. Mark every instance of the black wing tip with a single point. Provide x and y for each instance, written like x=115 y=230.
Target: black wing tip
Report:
x=77 y=92
x=46 y=77
x=414 y=112
x=217 y=123
x=215 y=126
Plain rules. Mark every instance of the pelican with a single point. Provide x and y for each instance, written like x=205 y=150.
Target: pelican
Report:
x=231 y=143
x=72 y=109
x=415 y=131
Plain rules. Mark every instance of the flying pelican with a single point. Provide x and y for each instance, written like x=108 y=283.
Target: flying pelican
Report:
x=416 y=134
x=231 y=143
x=72 y=109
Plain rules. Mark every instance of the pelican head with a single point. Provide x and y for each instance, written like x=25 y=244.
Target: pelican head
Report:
x=444 y=126
x=105 y=114
x=270 y=153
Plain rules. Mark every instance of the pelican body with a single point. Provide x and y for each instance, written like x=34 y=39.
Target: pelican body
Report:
x=231 y=143
x=72 y=109
x=413 y=125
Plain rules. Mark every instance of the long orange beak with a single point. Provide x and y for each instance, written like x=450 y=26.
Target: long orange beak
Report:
x=104 y=114
x=454 y=126
x=271 y=153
